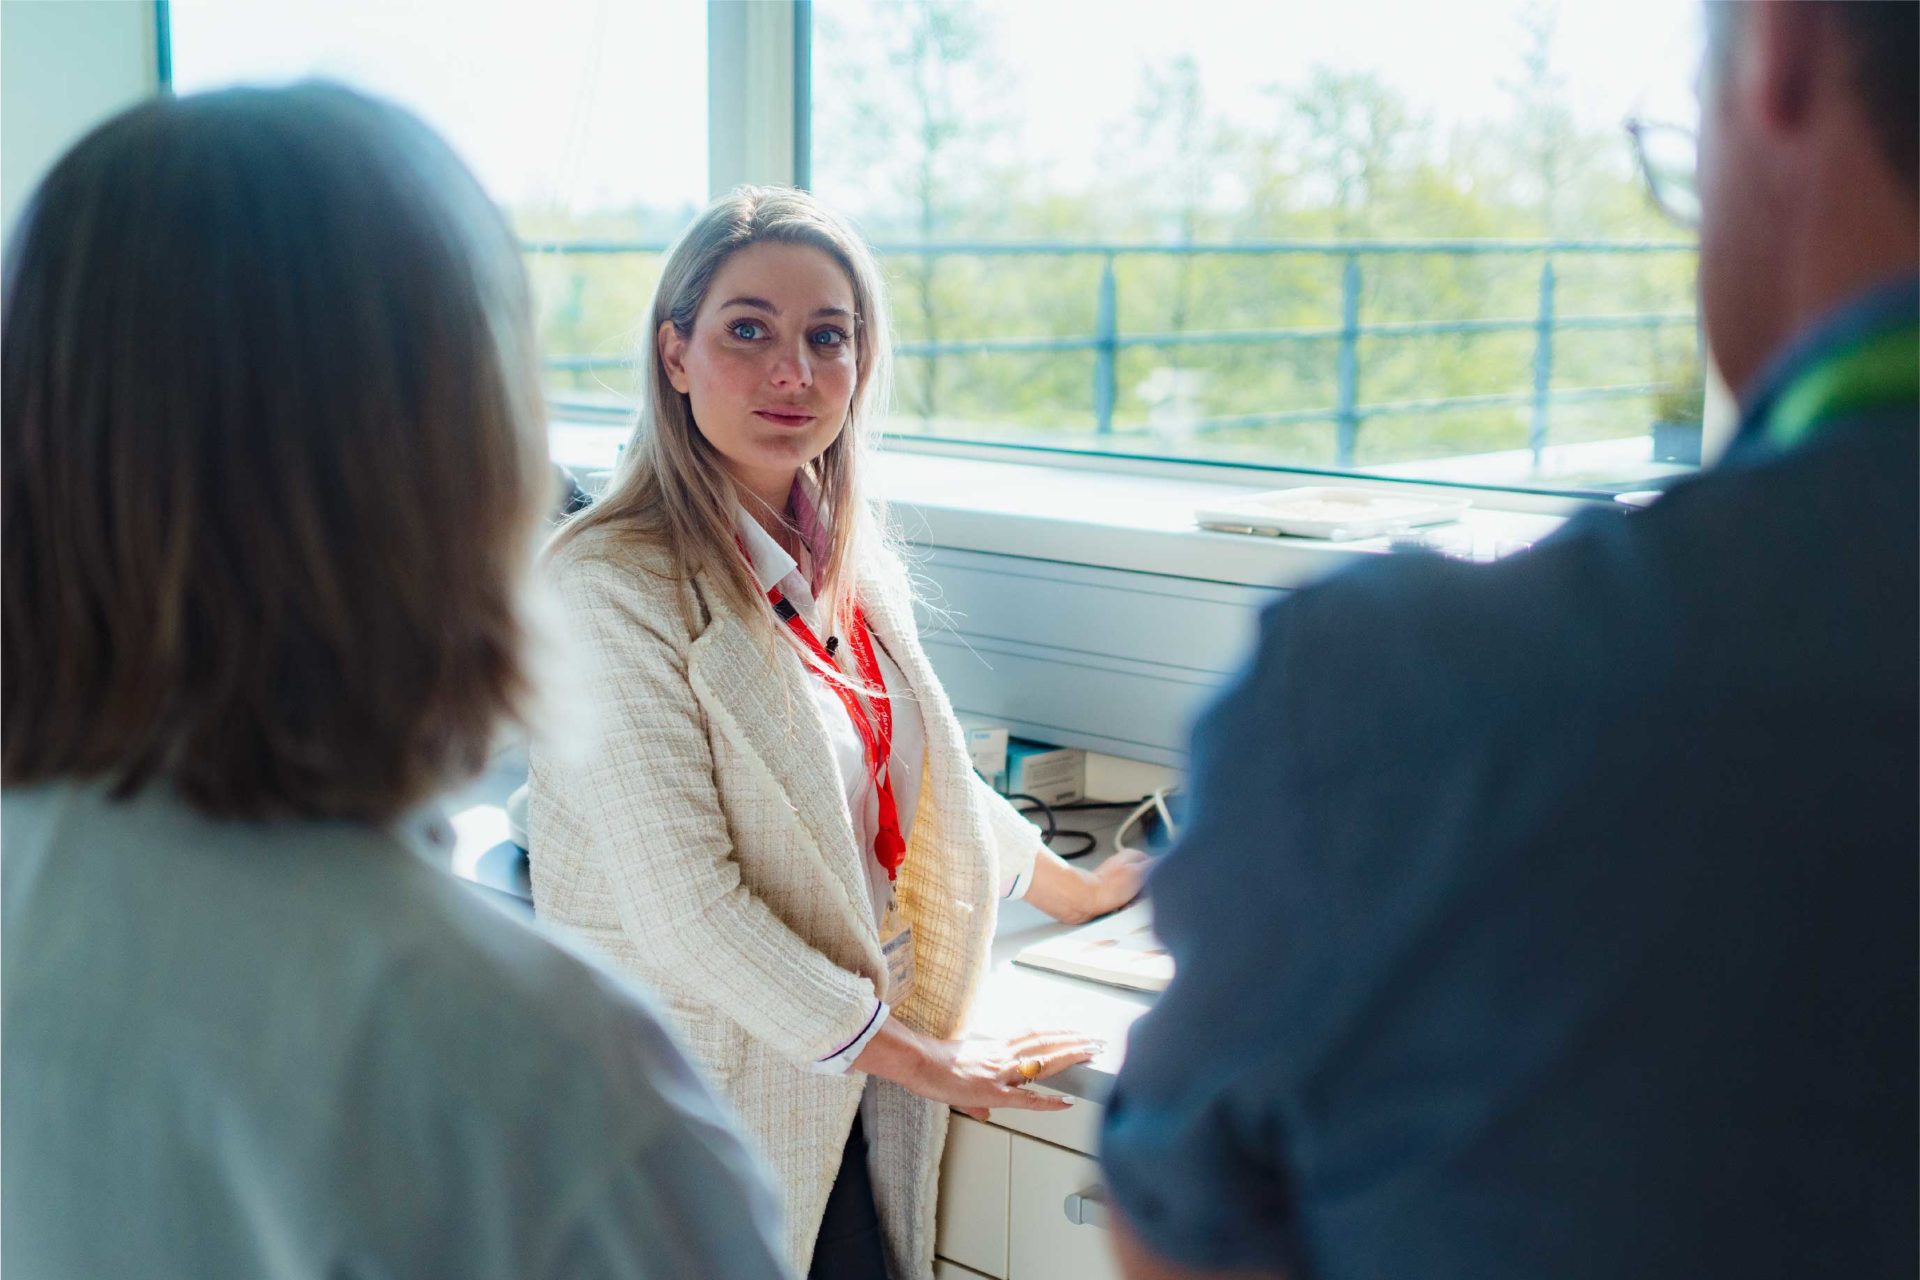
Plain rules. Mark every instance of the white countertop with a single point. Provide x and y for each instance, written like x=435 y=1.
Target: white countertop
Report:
x=1015 y=998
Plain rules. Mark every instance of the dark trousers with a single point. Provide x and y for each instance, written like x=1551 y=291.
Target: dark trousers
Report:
x=849 y=1245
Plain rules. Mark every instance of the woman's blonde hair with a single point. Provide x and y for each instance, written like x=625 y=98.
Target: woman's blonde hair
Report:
x=671 y=489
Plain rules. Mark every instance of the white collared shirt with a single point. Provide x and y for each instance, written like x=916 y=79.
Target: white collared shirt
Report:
x=773 y=567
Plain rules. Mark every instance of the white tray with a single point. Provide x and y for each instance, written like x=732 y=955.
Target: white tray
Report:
x=1119 y=950
x=1332 y=512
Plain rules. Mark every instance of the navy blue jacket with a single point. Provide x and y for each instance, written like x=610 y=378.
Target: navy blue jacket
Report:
x=1557 y=917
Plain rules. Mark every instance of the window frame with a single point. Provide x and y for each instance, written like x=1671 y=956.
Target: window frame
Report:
x=759 y=93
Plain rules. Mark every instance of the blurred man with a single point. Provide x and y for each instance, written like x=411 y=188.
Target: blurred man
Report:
x=1556 y=918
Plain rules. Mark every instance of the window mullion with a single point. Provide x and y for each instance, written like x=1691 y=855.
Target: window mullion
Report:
x=750 y=93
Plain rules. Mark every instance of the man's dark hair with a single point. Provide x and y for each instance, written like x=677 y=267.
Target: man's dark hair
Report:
x=1884 y=39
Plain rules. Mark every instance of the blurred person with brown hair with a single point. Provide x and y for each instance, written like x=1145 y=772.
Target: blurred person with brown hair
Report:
x=275 y=464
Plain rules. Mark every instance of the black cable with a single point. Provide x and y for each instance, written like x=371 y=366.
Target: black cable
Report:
x=1082 y=851
x=1050 y=829
x=1079 y=806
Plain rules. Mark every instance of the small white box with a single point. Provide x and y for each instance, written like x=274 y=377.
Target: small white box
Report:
x=987 y=748
x=1052 y=775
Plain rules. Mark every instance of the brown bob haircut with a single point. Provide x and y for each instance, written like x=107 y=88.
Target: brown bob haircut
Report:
x=274 y=460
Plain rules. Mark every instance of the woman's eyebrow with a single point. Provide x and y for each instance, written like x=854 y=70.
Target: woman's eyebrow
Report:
x=761 y=304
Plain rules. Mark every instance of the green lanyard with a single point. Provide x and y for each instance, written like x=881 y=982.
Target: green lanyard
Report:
x=1881 y=372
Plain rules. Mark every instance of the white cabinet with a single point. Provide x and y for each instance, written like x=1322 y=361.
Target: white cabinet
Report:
x=974 y=1175
x=1016 y=1207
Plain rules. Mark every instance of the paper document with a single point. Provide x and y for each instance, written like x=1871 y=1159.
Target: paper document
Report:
x=1119 y=950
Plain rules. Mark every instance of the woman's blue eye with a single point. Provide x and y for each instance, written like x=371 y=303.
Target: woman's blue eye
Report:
x=830 y=337
x=746 y=330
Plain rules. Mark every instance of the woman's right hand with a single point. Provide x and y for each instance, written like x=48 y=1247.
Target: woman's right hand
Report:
x=974 y=1076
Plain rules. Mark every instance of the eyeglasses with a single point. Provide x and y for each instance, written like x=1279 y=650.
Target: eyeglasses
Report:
x=1669 y=160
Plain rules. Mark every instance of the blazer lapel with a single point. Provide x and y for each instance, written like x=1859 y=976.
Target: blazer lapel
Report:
x=759 y=701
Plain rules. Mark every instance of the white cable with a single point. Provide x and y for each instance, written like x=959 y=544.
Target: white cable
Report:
x=1156 y=801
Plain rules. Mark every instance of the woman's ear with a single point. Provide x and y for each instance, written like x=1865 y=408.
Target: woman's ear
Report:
x=673 y=351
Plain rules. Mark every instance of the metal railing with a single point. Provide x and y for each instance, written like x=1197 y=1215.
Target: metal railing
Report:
x=1348 y=411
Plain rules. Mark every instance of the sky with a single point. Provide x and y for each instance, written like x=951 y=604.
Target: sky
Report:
x=583 y=104
x=592 y=104
x=1448 y=57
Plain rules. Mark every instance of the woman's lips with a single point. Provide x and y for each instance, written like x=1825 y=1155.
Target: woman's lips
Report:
x=784 y=418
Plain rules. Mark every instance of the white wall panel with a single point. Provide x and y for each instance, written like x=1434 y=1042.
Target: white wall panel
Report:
x=1083 y=656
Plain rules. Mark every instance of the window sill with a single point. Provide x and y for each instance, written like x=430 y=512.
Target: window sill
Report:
x=1142 y=522
x=1128 y=514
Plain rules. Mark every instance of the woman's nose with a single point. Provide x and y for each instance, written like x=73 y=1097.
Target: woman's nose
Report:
x=791 y=368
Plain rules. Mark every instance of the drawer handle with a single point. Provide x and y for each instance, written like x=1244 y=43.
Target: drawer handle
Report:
x=1088 y=1208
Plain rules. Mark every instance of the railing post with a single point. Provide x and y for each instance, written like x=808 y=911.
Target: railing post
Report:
x=1106 y=331
x=1347 y=412
x=1542 y=365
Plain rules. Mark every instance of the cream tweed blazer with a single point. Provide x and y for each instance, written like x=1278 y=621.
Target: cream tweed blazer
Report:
x=705 y=846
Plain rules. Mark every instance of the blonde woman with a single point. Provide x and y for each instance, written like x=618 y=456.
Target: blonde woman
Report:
x=781 y=833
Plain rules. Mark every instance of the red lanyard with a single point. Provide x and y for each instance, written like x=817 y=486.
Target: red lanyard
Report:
x=875 y=730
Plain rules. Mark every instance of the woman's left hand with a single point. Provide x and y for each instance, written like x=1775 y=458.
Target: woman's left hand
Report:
x=1116 y=882
x=1072 y=896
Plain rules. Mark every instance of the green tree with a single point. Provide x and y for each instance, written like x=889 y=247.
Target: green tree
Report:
x=1172 y=127
x=909 y=80
x=1355 y=133
x=1547 y=142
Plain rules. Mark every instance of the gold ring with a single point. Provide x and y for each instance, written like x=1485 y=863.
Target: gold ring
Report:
x=1030 y=1069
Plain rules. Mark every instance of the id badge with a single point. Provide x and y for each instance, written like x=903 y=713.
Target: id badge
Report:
x=896 y=943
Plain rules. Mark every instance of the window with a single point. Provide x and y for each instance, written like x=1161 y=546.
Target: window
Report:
x=1382 y=236
x=586 y=119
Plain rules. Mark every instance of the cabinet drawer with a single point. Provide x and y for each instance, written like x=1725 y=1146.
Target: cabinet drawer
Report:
x=1045 y=1243
x=944 y=1270
x=971 y=1226
x=1077 y=1128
